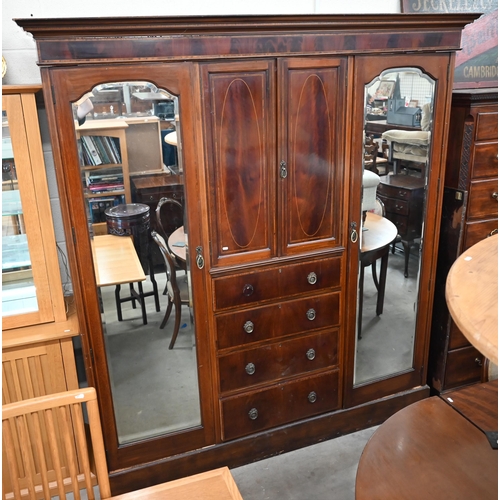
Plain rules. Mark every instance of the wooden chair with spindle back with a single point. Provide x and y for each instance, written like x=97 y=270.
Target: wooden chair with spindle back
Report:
x=41 y=434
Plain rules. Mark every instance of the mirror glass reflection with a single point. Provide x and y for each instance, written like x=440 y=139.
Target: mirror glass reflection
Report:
x=397 y=137
x=18 y=285
x=129 y=145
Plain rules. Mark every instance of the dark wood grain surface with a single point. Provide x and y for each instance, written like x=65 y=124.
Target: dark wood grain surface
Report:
x=427 y=450
x=478 y=403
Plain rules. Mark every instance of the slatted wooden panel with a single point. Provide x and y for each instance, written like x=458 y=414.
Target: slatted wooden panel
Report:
x=32 y=371
x=45 y=447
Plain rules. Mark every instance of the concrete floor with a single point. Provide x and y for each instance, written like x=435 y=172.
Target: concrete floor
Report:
x=319 y=472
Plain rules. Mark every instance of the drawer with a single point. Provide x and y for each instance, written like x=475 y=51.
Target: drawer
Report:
x=277 y=320
x=256 y=411
x=285 y=281
x=485 y=160
x=483 y=201
x=396 y=192
x=477 y=231
x=276 y=361
x=462 y=367
x=457 y=338
x=400 y=221
x=396 y=206
x=487 y=126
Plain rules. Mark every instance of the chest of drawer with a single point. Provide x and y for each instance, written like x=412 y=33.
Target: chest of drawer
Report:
x=255 y=411
x=483 y=199
x=276 y=361
x=477 y=231
x=277 y=320
x=269 y=284
x=485 y=160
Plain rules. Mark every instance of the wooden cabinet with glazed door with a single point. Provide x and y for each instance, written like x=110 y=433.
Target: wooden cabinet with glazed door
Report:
x=272 y=116
x=38 y=322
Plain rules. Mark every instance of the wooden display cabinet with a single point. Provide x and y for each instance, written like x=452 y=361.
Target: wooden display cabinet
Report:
x=271 y=124
x=37 y=347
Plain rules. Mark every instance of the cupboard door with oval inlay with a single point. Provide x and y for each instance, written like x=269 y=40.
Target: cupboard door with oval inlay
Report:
x=240 y=142
x=311 y=95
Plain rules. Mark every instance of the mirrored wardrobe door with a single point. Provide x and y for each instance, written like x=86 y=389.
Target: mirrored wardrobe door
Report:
x=397 y=105
x=130 y=195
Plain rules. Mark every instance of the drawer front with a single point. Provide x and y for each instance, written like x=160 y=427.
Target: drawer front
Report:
x=487 y=126
x=457 y=338
x=400 y=221
x=248 y=368
x=394 y=192
x=483 y=199
x=256 y=286
x=396 y=206
x=280 y=404
x=463 y=366
x=477 y=231
x=485 y=160
x=277 y=320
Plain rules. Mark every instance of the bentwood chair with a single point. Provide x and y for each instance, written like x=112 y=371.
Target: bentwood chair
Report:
x=177 y=290
x=47 y=451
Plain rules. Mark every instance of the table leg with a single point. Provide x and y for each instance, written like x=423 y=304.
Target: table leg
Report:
x=360 y=299
x=383 y=276
x=142 y=300
x=118 y=302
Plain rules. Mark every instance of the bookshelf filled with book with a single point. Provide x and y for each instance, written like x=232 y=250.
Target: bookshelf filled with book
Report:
x=102 y=147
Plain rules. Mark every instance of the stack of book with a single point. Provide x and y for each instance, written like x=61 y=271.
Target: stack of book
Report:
x=96 y=150
x=98 y=182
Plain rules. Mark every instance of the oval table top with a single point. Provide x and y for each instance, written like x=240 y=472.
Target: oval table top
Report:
x=472 y=296
x=177 y=243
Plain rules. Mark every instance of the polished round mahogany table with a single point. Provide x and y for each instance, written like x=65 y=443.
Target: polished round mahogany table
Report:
x=472 y=296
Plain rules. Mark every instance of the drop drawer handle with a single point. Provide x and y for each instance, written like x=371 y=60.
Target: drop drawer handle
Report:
x=312 y=397
x=311 y=354
x=248 y=327
x=247 y=290
x=495 y=195
x=250 y=368
x=311 y=314
x=253 y=414
x=312 y=278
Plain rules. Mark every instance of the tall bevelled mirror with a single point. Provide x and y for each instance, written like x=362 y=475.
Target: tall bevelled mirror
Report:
x=397 y=136
x=130 y=155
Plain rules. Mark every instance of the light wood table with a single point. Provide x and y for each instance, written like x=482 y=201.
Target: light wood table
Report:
x=216 y=484
x=116 y=263
x=428 y=450
x=472 y=296
x=377 y=235
x=177 y=243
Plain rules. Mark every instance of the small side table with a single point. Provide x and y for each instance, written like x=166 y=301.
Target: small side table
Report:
x=133 y=219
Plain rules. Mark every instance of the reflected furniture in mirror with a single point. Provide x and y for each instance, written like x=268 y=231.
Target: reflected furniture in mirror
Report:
x=176 y=289
x=116 y=263
x=470 y=214
x=38 y=329
x=270 y=130
x=378 y=234
x=403 y=198
x=411 y=147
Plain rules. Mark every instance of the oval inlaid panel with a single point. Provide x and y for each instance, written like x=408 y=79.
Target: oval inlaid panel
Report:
x=241 y=163
x=312 y=156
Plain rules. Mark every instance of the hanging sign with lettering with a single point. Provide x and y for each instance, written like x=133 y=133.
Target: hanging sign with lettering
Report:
x=476 y=64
